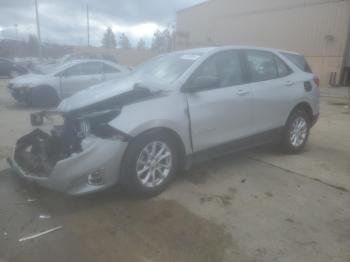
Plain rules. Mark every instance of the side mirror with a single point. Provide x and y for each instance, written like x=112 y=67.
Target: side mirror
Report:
x=202 y=83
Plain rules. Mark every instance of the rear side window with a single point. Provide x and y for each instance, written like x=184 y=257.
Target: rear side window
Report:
x=261 y=65
x=107 y=69
x=299 y=61
x=91 y=68
x=282 y=69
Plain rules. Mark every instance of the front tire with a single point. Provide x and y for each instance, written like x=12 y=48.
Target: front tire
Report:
x=43 y=97
x=296 y=132
x=149 y=165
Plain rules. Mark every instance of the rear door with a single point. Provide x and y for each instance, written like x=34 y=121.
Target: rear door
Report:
x=222 y=112
x=81 y=76
x=274 y=87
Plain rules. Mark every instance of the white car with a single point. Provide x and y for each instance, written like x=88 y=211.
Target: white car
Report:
x=49 y=88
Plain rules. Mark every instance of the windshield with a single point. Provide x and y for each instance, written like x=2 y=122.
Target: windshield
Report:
x=169 y=67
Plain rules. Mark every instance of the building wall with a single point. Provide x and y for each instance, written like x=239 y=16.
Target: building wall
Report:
x=315 y=28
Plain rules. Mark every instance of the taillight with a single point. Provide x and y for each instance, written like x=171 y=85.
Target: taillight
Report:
x=317 y=81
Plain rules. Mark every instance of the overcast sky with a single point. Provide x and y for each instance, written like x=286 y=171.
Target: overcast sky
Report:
x=64 y=21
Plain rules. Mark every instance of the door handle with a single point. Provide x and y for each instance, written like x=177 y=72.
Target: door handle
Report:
x=243 y=92
x=289 y=83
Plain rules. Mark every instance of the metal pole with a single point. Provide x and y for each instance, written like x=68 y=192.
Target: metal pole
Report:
x=88 y=24
x=16 y=28
x=38 y=30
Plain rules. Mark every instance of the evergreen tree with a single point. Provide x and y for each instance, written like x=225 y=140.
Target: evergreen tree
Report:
x=141 y=45
x=108 y=40
x=124 y=41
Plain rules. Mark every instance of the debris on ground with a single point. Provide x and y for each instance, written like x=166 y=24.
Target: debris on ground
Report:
x=40 y=234
x=45 y=216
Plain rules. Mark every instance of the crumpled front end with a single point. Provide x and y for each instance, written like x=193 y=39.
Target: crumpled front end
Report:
x=82 y=155
x=81 y=152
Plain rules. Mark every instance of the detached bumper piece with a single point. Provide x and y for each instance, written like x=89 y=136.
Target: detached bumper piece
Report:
x=38 y=152
x=32 y=153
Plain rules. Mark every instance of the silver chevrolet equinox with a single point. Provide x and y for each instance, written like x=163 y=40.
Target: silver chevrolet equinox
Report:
x=172 y=111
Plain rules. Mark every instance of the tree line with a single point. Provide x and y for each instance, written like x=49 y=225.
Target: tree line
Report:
x=162 y=41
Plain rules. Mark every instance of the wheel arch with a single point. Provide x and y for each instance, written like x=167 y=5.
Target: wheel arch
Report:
x=46 y=87
x=180 y=145
x=304 y=106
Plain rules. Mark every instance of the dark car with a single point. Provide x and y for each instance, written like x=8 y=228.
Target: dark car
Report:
x=10 y=69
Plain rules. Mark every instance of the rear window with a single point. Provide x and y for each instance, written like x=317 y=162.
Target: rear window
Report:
x=299 y=61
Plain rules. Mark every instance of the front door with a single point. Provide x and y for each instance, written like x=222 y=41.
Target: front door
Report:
x=220 y=109
x=81 y=76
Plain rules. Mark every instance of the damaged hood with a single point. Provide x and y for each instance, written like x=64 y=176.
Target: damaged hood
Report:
x=107 y=90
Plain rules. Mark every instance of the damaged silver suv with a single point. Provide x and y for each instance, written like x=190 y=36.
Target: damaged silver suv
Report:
x=172 y=111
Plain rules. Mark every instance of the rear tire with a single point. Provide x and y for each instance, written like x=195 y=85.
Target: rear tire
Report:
x=296 y=132
x=44 y=97
x=139 y=157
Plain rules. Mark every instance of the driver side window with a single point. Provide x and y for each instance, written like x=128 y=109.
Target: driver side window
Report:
x=75 y=70
x=224 y=67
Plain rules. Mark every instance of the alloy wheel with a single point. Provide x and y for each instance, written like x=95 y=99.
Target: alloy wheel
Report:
x=298 y=133
x=154 y=164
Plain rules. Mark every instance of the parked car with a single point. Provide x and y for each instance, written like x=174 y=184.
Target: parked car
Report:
x=11 y=69
x=88 y=56
x=175 y=110
x=49 y=88
x=73 y=57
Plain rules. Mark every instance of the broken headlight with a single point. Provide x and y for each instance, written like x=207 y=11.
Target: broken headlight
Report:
x=97 y=124
x=108 y=132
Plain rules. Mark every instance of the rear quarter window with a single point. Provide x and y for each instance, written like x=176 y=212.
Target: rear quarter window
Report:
x=299 y=61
